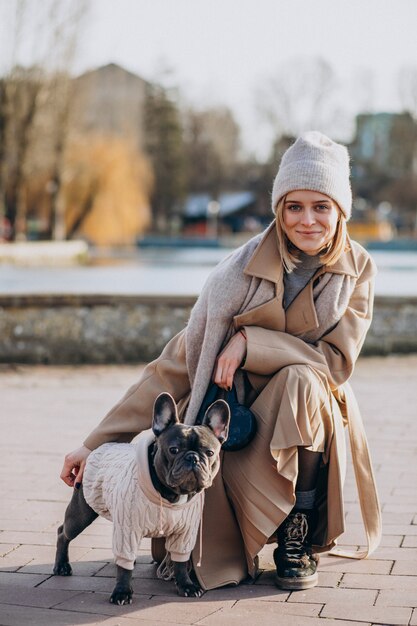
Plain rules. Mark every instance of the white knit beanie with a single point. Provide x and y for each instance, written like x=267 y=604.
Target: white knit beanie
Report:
x=316 y=163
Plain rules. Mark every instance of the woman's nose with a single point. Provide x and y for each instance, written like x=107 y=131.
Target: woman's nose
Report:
x=308 y=217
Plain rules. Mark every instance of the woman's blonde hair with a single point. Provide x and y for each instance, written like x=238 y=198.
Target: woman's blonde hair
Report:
x=331 y=253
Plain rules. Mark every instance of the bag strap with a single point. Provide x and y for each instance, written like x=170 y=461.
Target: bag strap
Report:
x=365 y=480
x=213 y=393
x=211 y=396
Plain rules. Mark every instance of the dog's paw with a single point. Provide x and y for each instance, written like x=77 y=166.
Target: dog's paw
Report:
x=62 y=569
x=190 y=590
x=121 y=597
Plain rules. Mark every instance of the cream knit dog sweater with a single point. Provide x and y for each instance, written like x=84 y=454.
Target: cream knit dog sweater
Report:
x=117 y=485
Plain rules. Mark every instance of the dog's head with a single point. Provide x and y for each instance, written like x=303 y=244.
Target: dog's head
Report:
x=186 y=458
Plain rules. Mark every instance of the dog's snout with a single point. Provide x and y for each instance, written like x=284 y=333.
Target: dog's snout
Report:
x=193 y=458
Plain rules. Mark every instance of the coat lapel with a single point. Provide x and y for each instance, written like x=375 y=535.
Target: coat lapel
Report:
x=301 y=315
x=266 y=263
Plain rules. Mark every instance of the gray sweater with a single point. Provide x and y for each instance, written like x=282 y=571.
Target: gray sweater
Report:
x=295 y=281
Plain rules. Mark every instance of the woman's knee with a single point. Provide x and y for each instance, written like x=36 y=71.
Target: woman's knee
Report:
x=305 y=379
x=300 y=372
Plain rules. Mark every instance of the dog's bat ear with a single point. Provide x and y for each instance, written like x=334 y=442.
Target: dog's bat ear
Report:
x=164 y=413
x=217 y=418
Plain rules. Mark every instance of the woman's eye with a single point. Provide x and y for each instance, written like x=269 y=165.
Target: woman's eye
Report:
x=209 y=452
x=322 y=207
x=294 y=207
x=174 y=450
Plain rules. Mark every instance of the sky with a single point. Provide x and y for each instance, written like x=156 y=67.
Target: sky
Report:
x=230 y=51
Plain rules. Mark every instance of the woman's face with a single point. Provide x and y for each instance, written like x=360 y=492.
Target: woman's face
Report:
x=310 y=220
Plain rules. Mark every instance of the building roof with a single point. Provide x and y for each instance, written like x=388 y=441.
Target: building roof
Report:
x=230 y=202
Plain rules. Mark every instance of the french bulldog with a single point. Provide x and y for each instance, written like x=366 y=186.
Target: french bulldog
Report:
x=149 y=486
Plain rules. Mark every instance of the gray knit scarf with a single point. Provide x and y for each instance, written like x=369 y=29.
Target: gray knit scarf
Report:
x=229 y=292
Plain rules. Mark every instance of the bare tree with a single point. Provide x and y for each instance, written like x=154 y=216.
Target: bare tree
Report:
x=363 y=86
x=66 y=21
x=407 y=85
x=34 y=102
x=299 y=96
x=20 y=97
x=164 y=146
x=212 y=142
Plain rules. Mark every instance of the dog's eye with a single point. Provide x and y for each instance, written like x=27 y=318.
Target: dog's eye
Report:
x=174 y=450
x=210 y=452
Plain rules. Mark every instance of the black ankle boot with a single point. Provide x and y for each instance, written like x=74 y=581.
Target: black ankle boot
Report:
x=294 y=559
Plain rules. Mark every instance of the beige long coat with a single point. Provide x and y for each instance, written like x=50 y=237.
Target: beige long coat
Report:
x=300 y=395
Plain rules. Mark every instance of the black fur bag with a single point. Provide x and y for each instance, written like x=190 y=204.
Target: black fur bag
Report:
x=242 y=428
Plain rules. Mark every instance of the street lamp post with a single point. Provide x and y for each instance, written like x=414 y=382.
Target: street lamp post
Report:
x=213 y=210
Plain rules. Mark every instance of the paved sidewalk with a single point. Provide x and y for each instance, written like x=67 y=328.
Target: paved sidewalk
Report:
x=46 y=411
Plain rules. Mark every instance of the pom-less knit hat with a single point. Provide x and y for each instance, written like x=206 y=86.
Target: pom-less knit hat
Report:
x=316 y=163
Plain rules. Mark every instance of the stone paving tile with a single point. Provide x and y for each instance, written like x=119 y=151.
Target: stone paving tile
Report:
x=12 y=615
x=241 y=617
x=85 y=568
x=49 y=539
x=38 y=597
x=397 y=518
x=387 y=518
x=93 y=541
x=355 y=535
x=248 y=592
x=403 y=493
x=24 y=524
x=78 y=583
x=408 y=507
x=126 y=621
x=409 y=541
x=109 y=569
x=12 y=580
x=344 y=596
x=28 y=537
x=354 y=566
x=392 y=541
x=395 y=554
x=400 y=529
x=246 y=607
x=6 y=548
x=405 y=568
x=187 y=610
x=146 y=586
x=398 y=598
x=33 y=559
x=364 y=581
x=94 y=554
x=397 y=616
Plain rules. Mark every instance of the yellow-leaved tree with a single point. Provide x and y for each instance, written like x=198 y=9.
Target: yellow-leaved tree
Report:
x=105 y=190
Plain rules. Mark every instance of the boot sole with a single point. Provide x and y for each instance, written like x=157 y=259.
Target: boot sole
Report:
x=296 y=584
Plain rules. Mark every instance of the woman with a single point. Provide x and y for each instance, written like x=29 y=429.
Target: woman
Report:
x=284 y=318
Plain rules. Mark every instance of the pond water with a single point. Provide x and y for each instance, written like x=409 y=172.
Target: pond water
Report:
x=172 y=272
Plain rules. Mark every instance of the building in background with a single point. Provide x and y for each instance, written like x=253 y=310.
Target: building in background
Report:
x=384 y=173
x=110 y=100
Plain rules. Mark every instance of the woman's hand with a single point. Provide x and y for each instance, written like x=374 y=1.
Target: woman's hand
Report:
x=73 y=469
x=229 y=361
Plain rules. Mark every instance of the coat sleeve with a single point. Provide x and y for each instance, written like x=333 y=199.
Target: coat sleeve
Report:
x=133 y=413
x=334 y=354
